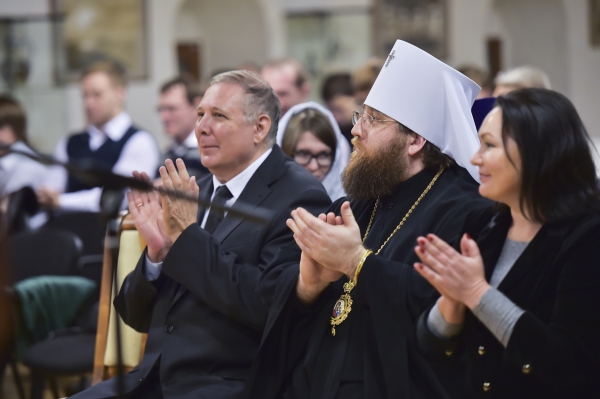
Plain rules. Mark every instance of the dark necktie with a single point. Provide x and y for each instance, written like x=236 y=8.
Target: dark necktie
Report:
x=215 y=216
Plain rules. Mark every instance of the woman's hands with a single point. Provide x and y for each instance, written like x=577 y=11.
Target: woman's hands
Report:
x=459 y=278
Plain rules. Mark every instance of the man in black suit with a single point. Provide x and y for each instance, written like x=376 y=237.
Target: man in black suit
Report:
x=193 y=290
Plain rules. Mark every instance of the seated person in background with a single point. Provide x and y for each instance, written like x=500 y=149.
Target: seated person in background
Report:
x=289 y=80
x=343 y=321
x=363 y=79
x=194 y=289
x=522 y=295
x=339 y=98
x=110 y=141
x=520 y=78
x=179 y=99
x=16 y=171
x=309 y=134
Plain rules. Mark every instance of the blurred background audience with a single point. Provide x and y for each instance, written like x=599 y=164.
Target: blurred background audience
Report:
x=16 y=170
x=110 y=141
x=89 y=69
x=520 y=78
x=179 y=98
x=338 y=96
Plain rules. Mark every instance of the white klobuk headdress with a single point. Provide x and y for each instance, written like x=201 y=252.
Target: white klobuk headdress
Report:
x=430 y=98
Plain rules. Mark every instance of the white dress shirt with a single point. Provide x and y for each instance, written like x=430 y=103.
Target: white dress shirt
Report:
x=18 y=171
x=236 y=185
x=139 y=153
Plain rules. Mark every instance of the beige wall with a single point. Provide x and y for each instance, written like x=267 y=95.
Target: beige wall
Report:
x=54 y=111
x=551 y=34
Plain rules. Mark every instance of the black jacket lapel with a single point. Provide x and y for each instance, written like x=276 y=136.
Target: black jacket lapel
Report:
x=254 y=193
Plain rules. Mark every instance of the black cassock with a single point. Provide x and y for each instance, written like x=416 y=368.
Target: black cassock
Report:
x=374 y=352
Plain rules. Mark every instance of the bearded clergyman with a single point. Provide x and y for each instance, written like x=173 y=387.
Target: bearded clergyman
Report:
x=345 y=296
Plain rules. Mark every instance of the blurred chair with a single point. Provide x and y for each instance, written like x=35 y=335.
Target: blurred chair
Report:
x=57 y=313
x=45 y=299
x=89 y=228
x=44 y=252
x=131 y=247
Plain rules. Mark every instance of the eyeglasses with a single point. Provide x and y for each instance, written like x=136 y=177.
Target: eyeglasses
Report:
x=304 y=157
x=366 y=118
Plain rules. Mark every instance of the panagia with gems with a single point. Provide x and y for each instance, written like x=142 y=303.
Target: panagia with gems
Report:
x=343 y=320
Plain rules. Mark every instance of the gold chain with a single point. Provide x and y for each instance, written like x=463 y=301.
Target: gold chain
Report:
x=412 y=208
x=344 y=305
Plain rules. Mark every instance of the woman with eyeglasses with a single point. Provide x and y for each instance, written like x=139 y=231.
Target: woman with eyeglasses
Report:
x=309 y=133
x=521 y=293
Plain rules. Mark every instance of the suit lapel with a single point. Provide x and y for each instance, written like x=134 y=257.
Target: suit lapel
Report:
x=254 y=193
x=535 y=262
x=491 y=241
x=251 y=197
x=206 y=189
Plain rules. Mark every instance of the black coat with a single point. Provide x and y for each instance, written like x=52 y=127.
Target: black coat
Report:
x=554 y=349
x=374 y=353
x=203 y=317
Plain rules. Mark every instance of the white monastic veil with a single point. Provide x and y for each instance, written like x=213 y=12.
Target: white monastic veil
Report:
x=332 y=180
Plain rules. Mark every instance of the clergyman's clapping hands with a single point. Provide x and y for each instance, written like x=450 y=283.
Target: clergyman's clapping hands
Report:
x=314 y=278
x=337 y=247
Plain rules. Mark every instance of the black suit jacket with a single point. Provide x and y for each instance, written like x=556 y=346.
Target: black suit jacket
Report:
x=203 y=317
x=554 y=349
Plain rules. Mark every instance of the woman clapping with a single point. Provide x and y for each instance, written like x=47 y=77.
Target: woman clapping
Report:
x=522 y=292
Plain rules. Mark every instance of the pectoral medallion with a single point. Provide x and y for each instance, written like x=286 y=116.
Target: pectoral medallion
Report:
x=342 y=307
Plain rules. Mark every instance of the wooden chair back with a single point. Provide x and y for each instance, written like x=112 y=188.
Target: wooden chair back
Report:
x=132 y=342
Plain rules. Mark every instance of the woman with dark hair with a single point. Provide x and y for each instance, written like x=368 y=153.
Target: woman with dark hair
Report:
x=522 y=293
x=309 y=133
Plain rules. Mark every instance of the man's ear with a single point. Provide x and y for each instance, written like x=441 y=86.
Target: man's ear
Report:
x=261 y=128
x=415 y=144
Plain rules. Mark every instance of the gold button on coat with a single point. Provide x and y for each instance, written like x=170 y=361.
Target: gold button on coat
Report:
x=526 y=368
x=449 y=353
x=486 y=386
x=481 y=350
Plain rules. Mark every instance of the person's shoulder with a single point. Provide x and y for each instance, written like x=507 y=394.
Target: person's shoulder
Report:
x=76 y=135
x=458 y=188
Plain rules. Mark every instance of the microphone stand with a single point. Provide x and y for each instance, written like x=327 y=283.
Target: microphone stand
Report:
x=110 y=204
x=111 y=181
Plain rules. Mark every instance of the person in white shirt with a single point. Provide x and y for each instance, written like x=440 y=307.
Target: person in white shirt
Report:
x=179 y=99
x=16 y=170
x=110 y=141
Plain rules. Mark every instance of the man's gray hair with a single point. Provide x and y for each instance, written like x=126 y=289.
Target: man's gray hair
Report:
x=523 y=77
x=259 y=98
